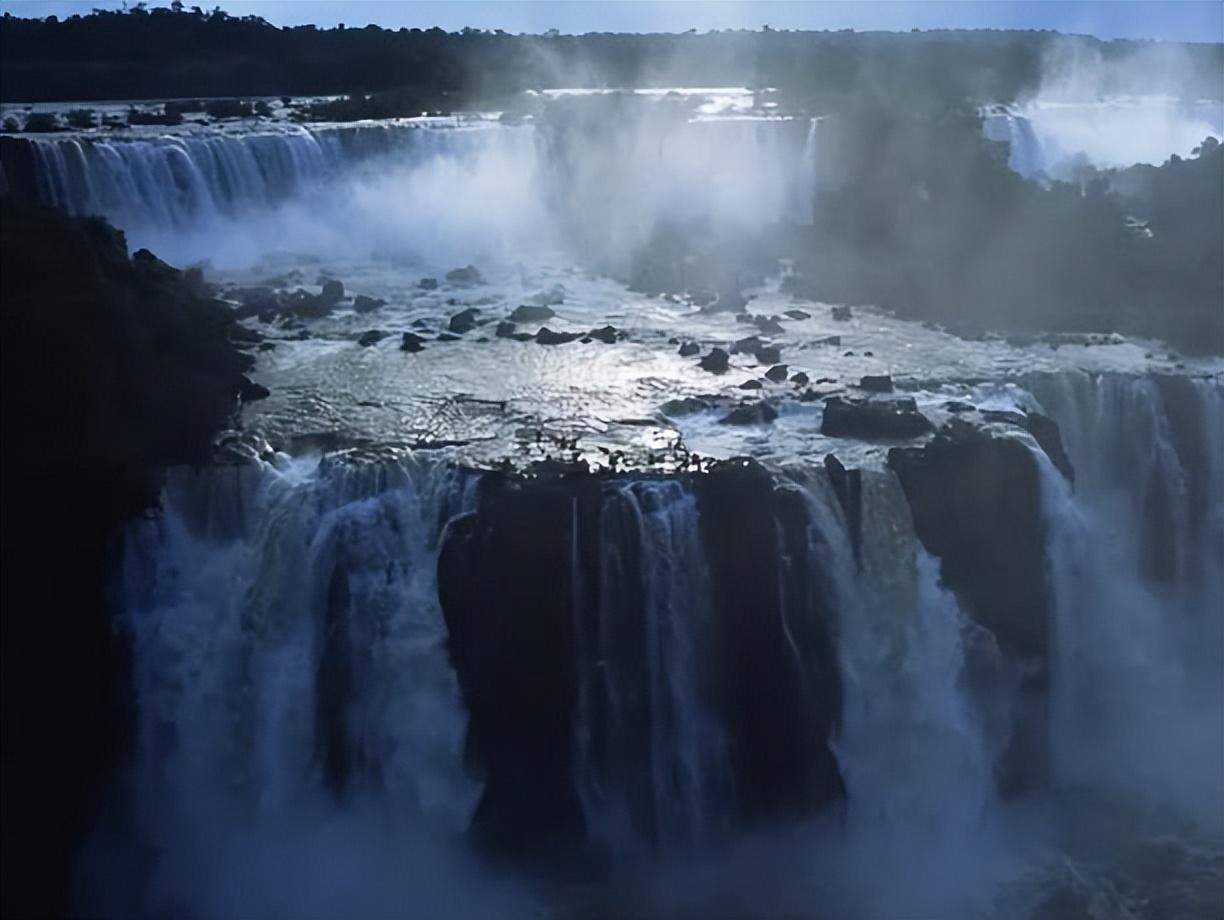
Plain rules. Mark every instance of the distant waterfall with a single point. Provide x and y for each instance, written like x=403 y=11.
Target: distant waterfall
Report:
x=804 y=202
x=1025 y=152
x=173 y=181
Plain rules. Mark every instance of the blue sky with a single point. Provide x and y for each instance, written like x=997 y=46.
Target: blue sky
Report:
x=1174 y=20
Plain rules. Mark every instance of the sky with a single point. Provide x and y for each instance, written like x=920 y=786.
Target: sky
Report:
x=1171 y=20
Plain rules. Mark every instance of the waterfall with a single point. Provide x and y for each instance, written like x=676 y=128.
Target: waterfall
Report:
x=394 y=187
x=299 y=730
x=804 y=201
x=651 y=755
x=1135 y=560
x=1025 y=153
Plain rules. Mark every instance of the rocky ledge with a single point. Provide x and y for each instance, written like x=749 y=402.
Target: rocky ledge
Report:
x=114 y=367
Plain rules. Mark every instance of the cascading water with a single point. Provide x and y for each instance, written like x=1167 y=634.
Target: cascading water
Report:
x=463 y=188
x=651 y=761
x=299 y=732
x=1136 y=559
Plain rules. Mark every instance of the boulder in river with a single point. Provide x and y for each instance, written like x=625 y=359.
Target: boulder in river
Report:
x=768 y=325
x=876 y=383
x=411 y=342
x=747 y=345
x=464 y=320
x=688 y=349
x=798 y=314
x=606 y=334
x=716 y=362
x=777 y=373
x=897 y=419
x=364 y=304
x=465 y=277
x=531 y=313
x=758 y=413
x=842 y=314
x=332 y=293
x=547 y=336
x=372 y=337
x=428 y=284
x=768 y=354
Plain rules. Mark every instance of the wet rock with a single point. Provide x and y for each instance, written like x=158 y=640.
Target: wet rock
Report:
x=332 y=293
x=266 y=346
x=768 y=354
x=873 y=420
x=798 y=314
x=759 y=413
x=799 y=378
x=688 y=349
x=250 y=391
x=372 y=337
x=464 y=321
x=306 y=305
x=364 y=304
x=873 y=383
x=748 y=345
x=465 y=277
x=428 y=284
x=834 y=340
x=751 y=385
x=768 y=325
x=531 y=313
x=957 y=406
x=606 y=334
x=869 y=354
x=547 y=336
x=716 y=362
x=448 y=337
x=842 y=314
x=778 y=373
x=522 y=336
x=411 y=342
x=505 y=329
x=688 y=405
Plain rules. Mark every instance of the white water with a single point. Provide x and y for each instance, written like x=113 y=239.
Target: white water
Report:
x=1049 y=137
x=688 y=775
x=1138 y=680
x=423 y=192
x=227 y=598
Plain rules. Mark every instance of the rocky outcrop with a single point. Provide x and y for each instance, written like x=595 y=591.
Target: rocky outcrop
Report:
x=517 y=575
x=891 y=419
x=976 y=502
x=113 y=368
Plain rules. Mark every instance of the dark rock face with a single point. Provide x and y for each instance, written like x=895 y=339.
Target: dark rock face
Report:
x=517 y=575
x=332 y=293
x=411 y=342
x=364 y=304
x=976 y=505
x=800 y=379
x=842 y=314
x=531 y=313
x=777 y=373
x=760 y=413
x=768 y=354
x=747 y=345
x=464 y=320
x=895 y=419
x=372 y=337
x=716 y=362
x=112 y=369
x=688 y=349
x=606 y=334
x=547 y=336
x=876 y=384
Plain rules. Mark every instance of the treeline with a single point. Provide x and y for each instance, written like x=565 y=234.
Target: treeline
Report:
x=181 y=52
